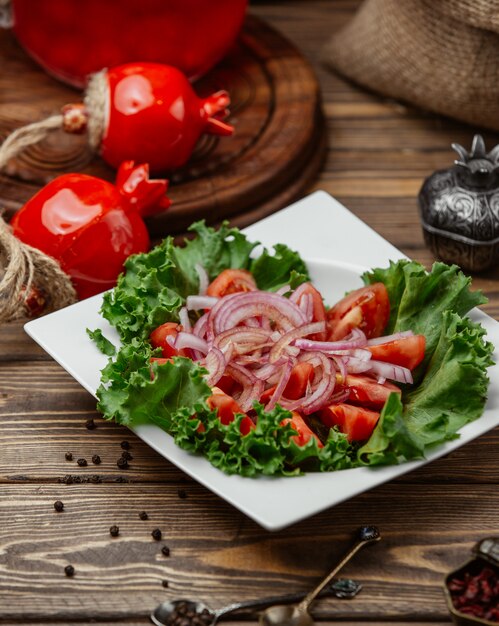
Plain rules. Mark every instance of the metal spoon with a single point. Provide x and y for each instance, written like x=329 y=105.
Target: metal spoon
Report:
x=297 y=614
x=164 y=614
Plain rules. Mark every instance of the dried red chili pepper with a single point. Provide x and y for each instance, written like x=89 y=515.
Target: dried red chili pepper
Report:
x=476 y=593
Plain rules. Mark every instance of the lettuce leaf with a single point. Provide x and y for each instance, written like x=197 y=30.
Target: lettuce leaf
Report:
x=102 y=343
x=134 y=390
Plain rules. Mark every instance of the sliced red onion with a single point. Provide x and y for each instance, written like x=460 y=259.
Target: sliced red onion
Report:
x=356 y=366
x=241 y=306
x=268 y=369
x=252 y=322
x=281 y=385
x=340 y=364
x=215 y=364
x=381 y=380
x=200 y=326
x=392 y=372
x=298 y=292
x=222 y=302
x=189 y=340
x=292 y=351
x=296 y=333
x=378 y=341
x=195 y=303
x=204 y=279
x=253 y=337
x=358 y=353
x=184 y=319
x=356 y=339
x=252 y=387
x=340 y=396
x=282 y=290
x=307 y=306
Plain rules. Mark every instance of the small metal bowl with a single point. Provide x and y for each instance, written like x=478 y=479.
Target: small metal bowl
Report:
x=485 y=554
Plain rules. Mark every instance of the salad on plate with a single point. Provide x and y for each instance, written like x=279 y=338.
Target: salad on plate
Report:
x=240 y=358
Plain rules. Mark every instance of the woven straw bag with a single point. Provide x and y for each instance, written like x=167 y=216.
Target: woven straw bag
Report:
x=441 y=55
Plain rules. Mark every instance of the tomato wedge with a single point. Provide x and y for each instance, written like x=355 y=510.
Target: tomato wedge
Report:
x=367 y=308
x=367 y=392
x=225 y=405
x=231 y=281
x=158 y=339
x=226 y=408
x=356 y=422
x=304 y=434
x=301 y=375
x=407 y=351
x=227 y=385
x=319 y=312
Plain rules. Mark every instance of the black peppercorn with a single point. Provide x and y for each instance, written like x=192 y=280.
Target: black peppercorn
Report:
x=164 y=583
x=126 y=455
x=114 y=531
x=58 y=506
x=69 y=570
x=156 y=534
x=68 y=456
x=182 y=494
x=122 y=463
x=82 y=462
x=143 y=515
x=90 y=424
x=165 y=550
x=96 y=459
x=125 y=445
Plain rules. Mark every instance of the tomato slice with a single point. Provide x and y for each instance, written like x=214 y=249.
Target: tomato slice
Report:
x=368 y=392
x=407 y=351
x=304 y=433
x=225 y=405
x=319 y=312
x=367 y=308
x=226 y=408
x=356 y=422
x=301 y=375
x=159 y=335
x=231 y=281
x=227 y=384
x=246 y=425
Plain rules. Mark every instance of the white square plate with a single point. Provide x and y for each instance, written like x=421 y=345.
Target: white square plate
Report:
x=337 y=247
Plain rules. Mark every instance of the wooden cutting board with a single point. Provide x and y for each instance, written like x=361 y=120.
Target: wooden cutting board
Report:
x=277 y=149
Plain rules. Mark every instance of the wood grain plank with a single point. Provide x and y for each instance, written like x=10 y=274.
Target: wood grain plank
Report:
x=218 y=555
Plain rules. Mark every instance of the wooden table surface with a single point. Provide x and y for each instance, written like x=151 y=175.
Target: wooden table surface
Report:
x=379 y=153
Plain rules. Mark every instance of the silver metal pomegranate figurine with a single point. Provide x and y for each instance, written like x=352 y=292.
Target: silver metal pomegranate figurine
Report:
x=459 y=208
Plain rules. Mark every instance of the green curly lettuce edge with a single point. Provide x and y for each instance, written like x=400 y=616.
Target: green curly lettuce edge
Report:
x=173 y=395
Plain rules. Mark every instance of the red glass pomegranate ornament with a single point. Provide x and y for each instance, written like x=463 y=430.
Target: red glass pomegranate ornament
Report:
x=145 y=112
x=91 y=226
x=72 y=39
x=154 y=116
